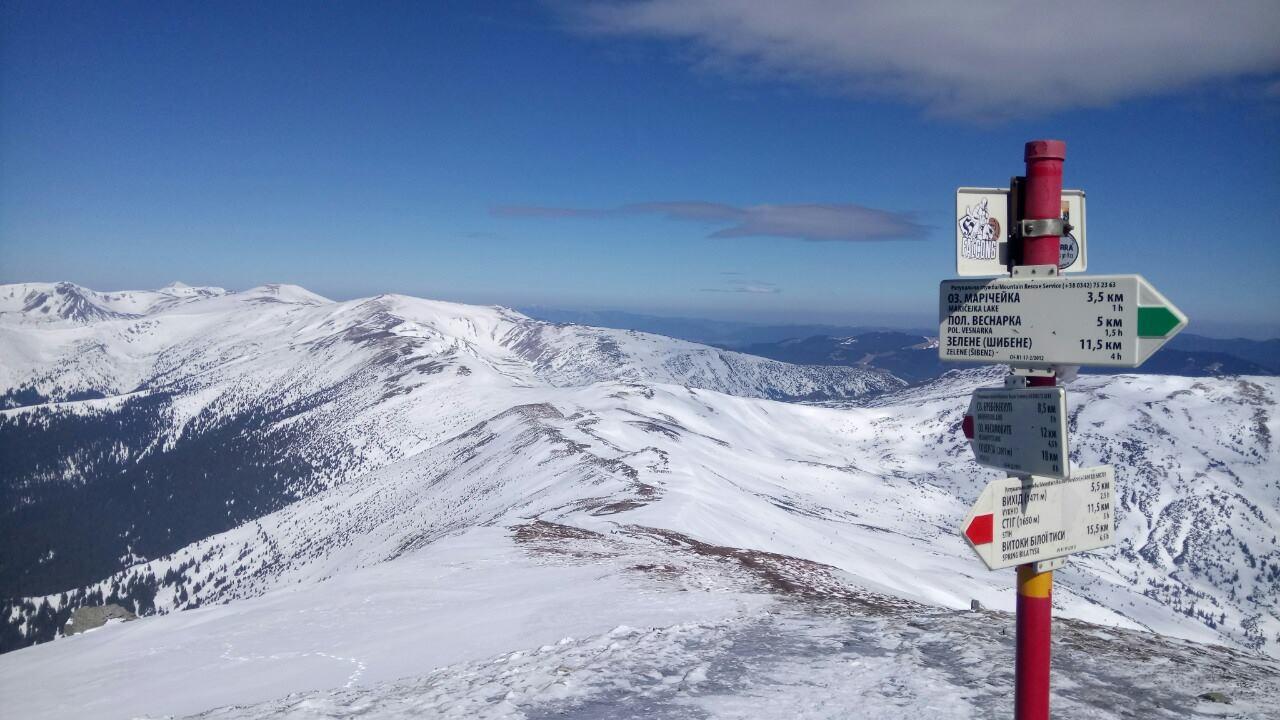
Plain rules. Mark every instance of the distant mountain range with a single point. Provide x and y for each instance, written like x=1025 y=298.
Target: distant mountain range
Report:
x=721 y=333
x=912 y=354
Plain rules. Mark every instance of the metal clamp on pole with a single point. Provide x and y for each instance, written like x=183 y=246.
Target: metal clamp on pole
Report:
x=1039 y=227
x=1031 y=372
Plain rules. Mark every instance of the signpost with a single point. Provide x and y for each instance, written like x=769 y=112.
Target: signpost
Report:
x=1017 y=521
x=1021 y=430
x=983 y=232
x=1039 y=322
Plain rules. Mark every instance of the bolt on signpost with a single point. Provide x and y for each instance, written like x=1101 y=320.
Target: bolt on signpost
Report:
x=1042 y=324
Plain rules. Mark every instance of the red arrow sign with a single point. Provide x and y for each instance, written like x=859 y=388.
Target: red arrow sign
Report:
x=1042 y=518
x=981 y=530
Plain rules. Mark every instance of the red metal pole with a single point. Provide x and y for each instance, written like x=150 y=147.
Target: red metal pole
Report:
x=1042 y=201
x=1034 y=624
x=1043 y=198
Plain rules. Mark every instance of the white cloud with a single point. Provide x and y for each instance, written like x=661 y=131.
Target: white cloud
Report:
x=988 y=60
x=835 y=222
x=758 y=287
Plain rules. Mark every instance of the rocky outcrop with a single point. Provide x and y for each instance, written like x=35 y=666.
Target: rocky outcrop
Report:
x=88 y=618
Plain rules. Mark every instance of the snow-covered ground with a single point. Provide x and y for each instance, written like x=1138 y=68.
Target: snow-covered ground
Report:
x=544 y=620
x=470 y=596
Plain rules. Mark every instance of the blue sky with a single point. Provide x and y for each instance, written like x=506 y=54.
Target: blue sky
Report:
x=657 y=157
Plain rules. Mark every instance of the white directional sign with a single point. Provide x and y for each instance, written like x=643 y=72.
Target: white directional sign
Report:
x=1022 y=430
x=982 y=232
x=1113 y=320
x=1025 y=521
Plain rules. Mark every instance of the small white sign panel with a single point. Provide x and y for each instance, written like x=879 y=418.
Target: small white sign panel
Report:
x=1019 y=521
x=1021 y=430
x=1110 y=320
x=982 y=232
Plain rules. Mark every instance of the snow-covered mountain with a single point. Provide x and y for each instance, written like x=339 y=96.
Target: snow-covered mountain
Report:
x=139 y=422
x=357 y=492
x=45 y=303
x=62 y=338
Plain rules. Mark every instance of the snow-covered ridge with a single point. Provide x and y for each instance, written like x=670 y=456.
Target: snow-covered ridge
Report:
x=63 y=339
x=887 y=482
x=309 y=392
x=66 y=302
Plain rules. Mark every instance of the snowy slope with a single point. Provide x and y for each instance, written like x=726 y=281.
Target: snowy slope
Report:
x=428 y=428
x=544 y=620
x=846 y=487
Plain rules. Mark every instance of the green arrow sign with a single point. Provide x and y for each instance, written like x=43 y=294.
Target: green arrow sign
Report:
x=1156 y=322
